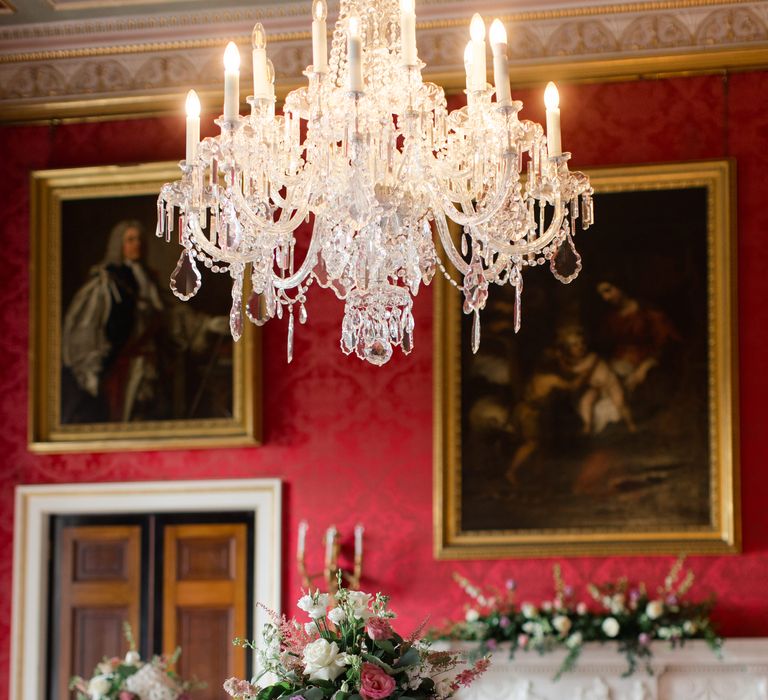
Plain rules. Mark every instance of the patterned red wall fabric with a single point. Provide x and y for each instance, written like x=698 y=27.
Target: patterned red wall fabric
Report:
x=354 y=442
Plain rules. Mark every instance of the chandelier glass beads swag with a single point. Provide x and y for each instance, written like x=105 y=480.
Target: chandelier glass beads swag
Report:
x=368 y=155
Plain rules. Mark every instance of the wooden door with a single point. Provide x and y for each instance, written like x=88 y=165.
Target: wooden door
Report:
x=204 y=601
x=98 y=590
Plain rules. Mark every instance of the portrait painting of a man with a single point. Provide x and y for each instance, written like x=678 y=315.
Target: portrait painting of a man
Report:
x=132 y=358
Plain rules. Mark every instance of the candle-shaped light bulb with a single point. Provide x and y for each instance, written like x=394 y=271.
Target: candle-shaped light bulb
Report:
x=359 y=530
x=468 y=64
x=319 y=36
x=477 y=28
x=552 y=103
x=193 y=125
x=477 y=32
x=302 y=543
x=498 y=37
x=258 y=36
x=231 y=82
x=408 y=32
x=354 y=55
x=497 y=33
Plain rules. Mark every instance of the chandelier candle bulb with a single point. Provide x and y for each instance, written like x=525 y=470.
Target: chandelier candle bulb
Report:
x=552 y=103
x=259 y=53
x=193 y=125
x=231 y=82
x=303 y=527
x=330 y=537
x=354 y=55
x=408 y=32
x=468 y=64
x=477 y=32
x=359 y=530
x=498 y=37
x=319 y=36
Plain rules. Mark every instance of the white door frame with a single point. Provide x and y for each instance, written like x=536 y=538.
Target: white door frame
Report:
x=36 y=504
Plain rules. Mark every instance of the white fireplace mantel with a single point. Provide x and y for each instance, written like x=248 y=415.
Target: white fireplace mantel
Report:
x=692 y=672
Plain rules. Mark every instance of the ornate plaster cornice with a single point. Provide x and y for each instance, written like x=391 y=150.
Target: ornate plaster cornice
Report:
x=59 y=69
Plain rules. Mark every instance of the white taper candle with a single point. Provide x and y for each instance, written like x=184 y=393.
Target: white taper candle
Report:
x=259 y=53
x=498 y=37
x=193 y=125
x=408 y=32
x=477 y=32
x=552 y=102
x=231 y=82
x=354 y=55
x=319 y=36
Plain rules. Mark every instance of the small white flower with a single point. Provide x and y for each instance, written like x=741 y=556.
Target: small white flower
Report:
x=443 y=689
x=664 y=633
x=105 y=667
x=472 y=615
x=337 y=616
x=132 y=658
x=323 y=661
x=528 y=610
x=610 y=627
x=617 y=604
x=360 y=602
x=562 y=624
x=655 y=609
x=581 y=608
x=546 y=605
x=98 y=686
x=574 y=640
x=689 y=627
x=310 y=627
x=314 y=605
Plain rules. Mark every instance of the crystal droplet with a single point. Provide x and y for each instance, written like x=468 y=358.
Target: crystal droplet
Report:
x=279 y=309
x=518 y=304
x=464 y=244
x=476 y=332
x=185 y=278
x=256 y=309
x=407 y=344
x=302 y=314
x=566 y=263
x=378 y=353
x=289 y=348
x=236 y=320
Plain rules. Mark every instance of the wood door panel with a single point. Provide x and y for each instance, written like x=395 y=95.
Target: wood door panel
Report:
x=99 y=589
x=205 y=636
x=204 y=600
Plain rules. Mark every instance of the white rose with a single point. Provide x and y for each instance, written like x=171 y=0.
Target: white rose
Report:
x=359 y=603
x=132 y=658
x=314 y=605
x=574 y=640
x=689 y=627
x=323 y=661
x=528 y=610
x=562 y=624
x=654 y=609
x=610 y=627
x=472 y=615
x=581 y=608
x=98 y=686
x=337 y=616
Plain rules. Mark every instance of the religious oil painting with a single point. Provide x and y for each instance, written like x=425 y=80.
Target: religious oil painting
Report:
x=119 y=362
x=608 y=423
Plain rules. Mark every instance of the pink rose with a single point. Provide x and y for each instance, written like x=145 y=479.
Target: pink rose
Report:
x=375 y=682
x=378 y=628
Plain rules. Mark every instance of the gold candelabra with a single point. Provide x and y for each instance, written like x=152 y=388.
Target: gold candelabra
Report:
x=331 y=569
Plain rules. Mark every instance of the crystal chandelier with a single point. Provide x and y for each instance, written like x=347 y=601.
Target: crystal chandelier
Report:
x=355 y=183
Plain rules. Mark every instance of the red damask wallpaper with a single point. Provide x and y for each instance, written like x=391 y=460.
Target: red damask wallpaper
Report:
x=354 y=442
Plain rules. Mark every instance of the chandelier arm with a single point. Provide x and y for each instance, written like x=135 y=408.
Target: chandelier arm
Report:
x=310 y=259
x=489 y=210
x=447 y=242
x=198 y=237
x=535 y=246
x=279 y=227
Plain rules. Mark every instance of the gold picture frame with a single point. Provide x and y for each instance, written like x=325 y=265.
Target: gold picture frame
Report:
x=222 y=383
x=457 y=534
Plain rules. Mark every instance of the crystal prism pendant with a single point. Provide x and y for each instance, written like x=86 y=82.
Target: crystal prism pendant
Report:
x=565 y=264
x=185 y=279
x=236 y=320
x=256 y=309
x=378 y=352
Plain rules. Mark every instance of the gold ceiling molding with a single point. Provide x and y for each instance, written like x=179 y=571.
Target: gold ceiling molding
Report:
x=141 y=77
x=6 y=8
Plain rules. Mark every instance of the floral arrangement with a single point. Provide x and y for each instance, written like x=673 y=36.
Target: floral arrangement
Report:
x=616 y=611
x=348 y=650
x=131 y=678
